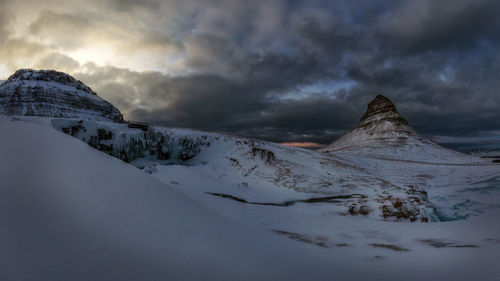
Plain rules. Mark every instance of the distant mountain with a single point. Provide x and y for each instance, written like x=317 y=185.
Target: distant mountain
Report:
x=53 y=94
x=383 y=133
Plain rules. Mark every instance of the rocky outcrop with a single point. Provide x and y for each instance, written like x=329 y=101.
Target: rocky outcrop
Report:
x=129 y=145
x=51 y=93
x=381 y=110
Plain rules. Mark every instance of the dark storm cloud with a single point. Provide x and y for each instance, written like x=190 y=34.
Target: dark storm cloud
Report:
x=432 y=25
x=260 y=68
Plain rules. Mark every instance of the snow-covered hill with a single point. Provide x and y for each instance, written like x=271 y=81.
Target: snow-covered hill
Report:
x=275 y=173
x=383 y=133
x=232 y=211
x=50 y=93
x=69 y=212
x=381 y=203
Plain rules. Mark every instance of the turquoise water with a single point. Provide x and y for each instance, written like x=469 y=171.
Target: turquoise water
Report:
x=470 y=201
x=460 y=210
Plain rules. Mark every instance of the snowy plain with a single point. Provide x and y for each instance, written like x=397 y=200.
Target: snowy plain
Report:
x=70 y=212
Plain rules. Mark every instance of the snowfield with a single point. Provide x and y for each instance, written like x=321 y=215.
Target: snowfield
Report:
x=205 y=206
x=69 y=212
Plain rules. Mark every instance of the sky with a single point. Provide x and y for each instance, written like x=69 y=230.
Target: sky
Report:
x=296 y=71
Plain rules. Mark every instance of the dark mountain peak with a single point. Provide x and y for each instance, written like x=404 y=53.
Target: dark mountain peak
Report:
x=381 y=104
x=381 y=109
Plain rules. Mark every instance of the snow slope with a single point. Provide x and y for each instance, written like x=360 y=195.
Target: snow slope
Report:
x=69 y=212
x=83 y=215
x=275 y=173
x=383 y=133
x=463 y=245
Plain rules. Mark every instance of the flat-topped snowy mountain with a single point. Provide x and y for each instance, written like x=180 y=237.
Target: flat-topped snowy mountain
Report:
x=53 y=94
x=383 y=133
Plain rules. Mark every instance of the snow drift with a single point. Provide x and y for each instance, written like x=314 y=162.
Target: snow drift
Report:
x=69 y=212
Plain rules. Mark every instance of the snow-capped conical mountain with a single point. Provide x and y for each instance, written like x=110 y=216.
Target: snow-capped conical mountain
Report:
x=54 y=94
x=383 y=133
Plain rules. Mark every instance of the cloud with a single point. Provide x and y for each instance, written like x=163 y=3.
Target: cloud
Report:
x=156 y=42
x=58 y=61
x=18 y=52
x=5 y=21
x=128 y=5
x=430 y=25
x=65 y=31
x=286 y=71
x=211 y=102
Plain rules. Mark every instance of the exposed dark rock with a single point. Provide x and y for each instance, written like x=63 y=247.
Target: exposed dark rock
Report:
x=389 y=247
x=381 y=109
x=327 y=199
x=264 y=154
x=129 y=146
x=438 y=243
x=413 y=207
x=310 y=239
x=356 y=209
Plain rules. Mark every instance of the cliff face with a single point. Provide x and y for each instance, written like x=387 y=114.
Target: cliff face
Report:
x=129 y=144
x=383 y=133
x=381 y=109
x=53 y=94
